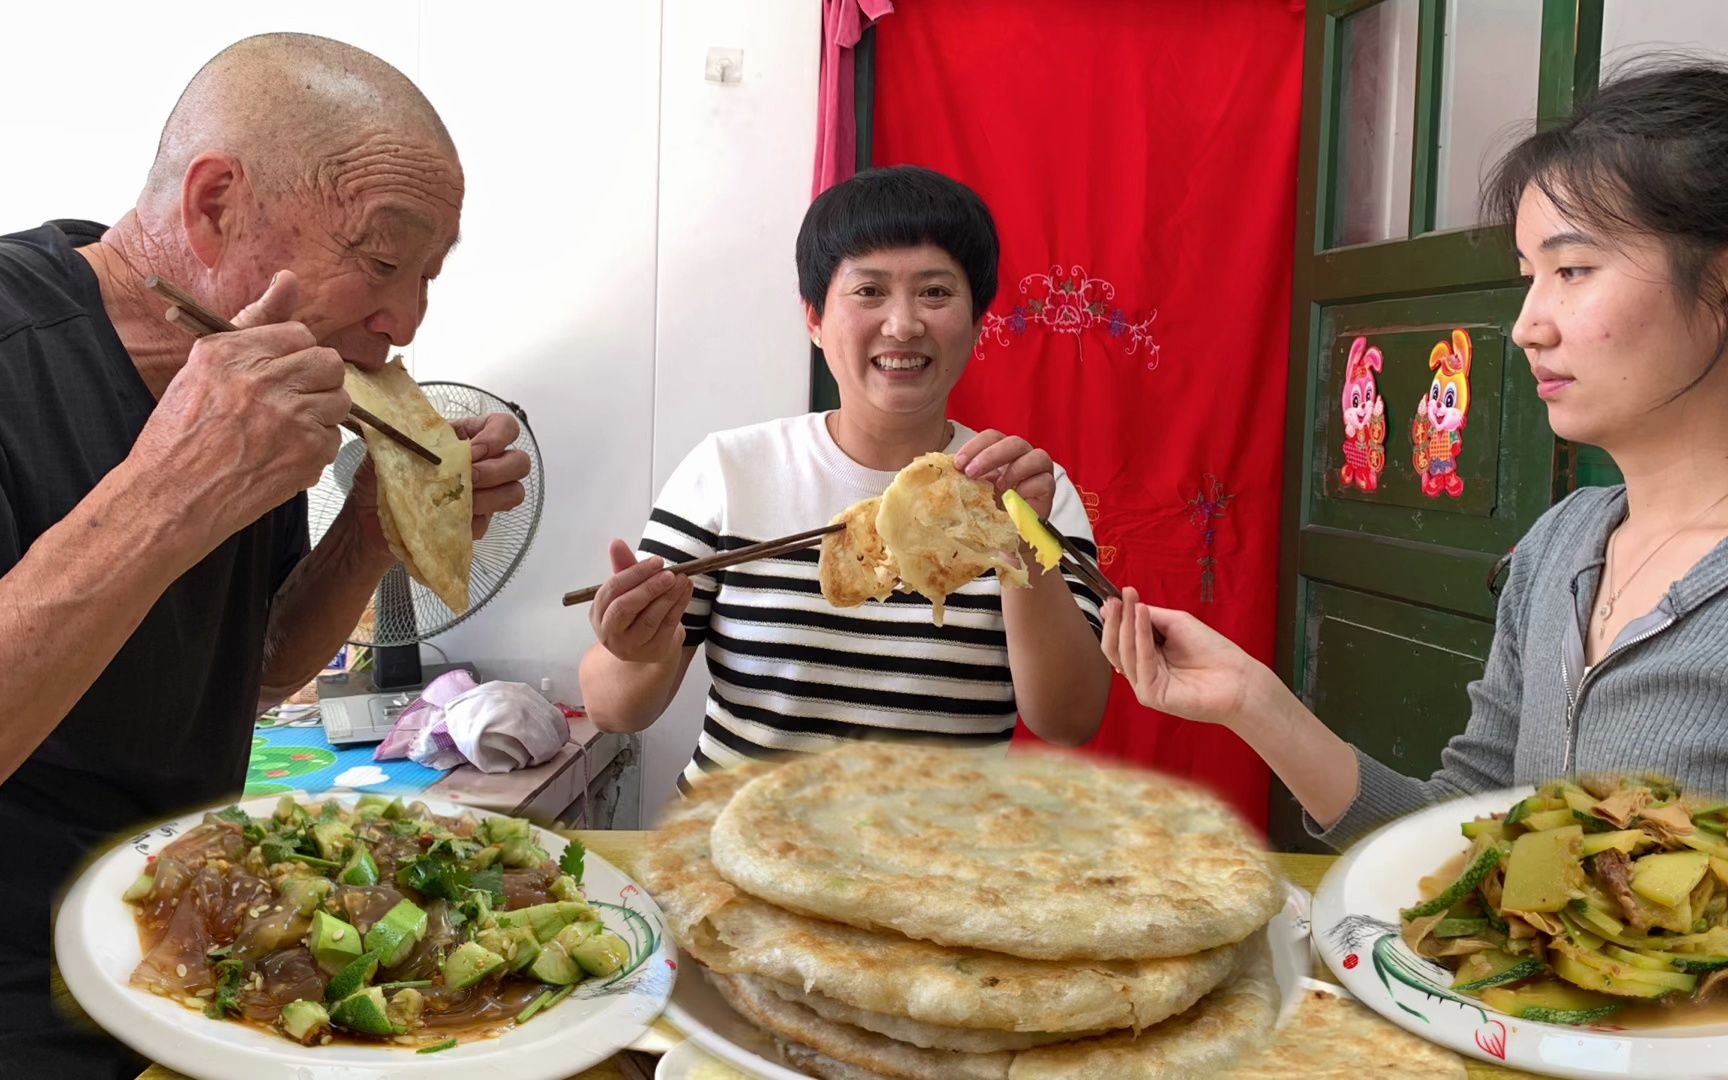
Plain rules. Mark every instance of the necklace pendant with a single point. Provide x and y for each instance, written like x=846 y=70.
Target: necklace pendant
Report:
x=1606 y=610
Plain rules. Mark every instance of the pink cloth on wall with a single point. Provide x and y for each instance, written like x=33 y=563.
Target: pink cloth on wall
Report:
x=843 y=24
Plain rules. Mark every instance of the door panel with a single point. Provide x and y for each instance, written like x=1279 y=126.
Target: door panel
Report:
x=1394 y=606
x=1390 y=676
x=1388 y=614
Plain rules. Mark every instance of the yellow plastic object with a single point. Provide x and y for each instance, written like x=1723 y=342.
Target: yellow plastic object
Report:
x=1043 y=543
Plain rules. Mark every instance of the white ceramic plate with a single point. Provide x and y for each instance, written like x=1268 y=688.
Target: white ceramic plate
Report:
x=1356 y=926
x=1299 y=906
x=96 y=943
x=687 y=1061
x=699 y=1011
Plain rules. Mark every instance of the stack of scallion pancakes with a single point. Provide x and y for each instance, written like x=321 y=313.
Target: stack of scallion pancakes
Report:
x=913 y=912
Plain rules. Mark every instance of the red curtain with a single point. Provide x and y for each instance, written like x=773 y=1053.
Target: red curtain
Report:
x=1140 y=158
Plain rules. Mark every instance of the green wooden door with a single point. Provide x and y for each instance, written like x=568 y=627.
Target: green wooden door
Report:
x=1386 y=610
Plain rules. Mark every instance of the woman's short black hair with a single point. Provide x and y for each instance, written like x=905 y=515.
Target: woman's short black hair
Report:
x=898 y=207
x=1646 y=153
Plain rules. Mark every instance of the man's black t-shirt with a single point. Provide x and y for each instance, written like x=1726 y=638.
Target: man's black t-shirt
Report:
x=168 y=724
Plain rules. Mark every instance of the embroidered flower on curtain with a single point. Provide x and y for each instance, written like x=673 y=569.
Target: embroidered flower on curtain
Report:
x=1071 y=302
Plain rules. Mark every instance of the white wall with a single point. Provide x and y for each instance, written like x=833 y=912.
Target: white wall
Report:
x=1631 y=28
x=88 y=86
x=549 y=300
x=625 y=272
x=735 y=169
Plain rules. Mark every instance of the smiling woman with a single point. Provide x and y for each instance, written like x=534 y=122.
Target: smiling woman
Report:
x=895 y=267
x=1611 y=628
x=897 y=332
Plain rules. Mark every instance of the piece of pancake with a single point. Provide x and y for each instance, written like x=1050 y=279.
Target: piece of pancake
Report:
x=426 y=511
x=1040 y=855
x=855 y=565
x=731 y=931
x=1333 y=1037
x=1235 y=1020
x=943 y=529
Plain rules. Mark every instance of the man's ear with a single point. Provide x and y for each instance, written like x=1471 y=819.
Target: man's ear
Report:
x=210 y=196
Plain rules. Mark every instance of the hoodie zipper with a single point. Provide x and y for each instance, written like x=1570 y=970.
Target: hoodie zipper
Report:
x=1574 y=700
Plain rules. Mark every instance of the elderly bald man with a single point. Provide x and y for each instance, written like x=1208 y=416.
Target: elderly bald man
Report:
x=156 y=588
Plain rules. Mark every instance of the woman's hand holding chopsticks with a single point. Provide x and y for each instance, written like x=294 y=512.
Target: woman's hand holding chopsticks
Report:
x=638 y=613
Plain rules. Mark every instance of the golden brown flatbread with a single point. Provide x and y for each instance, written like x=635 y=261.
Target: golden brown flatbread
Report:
x=905 y=1029
x=855 y=565
x=731 y=931
x=1039 y=855
x=1236 y=1019
x=1332 y=1037
x=425 y=510
x=944 y=529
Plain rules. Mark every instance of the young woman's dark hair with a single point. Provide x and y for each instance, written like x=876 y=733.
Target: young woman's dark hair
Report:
x=1646 y=153
x=898 y=207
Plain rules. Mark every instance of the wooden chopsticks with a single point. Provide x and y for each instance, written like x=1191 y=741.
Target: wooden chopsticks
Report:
x=1081 y=566
x=1077 y=563
x=200 y=320
x=767 y=549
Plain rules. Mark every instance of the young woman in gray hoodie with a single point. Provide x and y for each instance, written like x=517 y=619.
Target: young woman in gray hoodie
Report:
x=1610 y=651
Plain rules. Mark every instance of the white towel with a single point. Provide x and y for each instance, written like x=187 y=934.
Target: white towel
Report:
x=500 y=726
x=495 y=726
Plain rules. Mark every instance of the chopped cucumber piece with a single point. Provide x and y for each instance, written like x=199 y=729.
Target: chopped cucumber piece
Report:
x=363 y=1011
x=1458 y=890
x=305 y=1021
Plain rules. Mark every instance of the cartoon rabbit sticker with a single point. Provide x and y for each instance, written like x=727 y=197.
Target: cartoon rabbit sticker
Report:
x=1364 y=419
x=1440 y=418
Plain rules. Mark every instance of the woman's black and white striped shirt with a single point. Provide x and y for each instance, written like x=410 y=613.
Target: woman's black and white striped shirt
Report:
x=788 y=671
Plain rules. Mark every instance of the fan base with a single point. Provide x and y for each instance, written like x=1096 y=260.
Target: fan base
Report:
x=397 y=667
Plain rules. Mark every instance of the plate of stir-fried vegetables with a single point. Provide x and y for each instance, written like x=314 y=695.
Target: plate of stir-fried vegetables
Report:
x=1578 y=929
x=363 y=936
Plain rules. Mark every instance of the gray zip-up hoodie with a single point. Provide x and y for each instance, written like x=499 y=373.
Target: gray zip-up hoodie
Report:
x=1658 y=701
